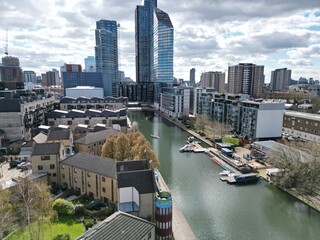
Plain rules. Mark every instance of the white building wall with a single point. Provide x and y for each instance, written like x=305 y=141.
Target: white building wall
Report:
x=269 y=123
x=88 y=93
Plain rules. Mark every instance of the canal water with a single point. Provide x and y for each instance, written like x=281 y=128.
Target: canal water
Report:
x=216 y=210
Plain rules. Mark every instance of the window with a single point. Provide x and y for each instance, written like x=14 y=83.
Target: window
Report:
x=86 y=121
x=52 y=166
x=45 y=158
x=69 y=122
x=63 y=175
x=75 y=180
x=62 y=166
x=88 y=174
x=103 y=179
x=103 y=189
x=40 y=167
x=54 y=175
x=89 y=185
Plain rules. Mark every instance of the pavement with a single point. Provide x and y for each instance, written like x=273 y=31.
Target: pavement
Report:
x=10 y=173
x=180 y=226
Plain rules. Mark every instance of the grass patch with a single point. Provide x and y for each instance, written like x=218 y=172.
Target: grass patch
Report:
x=64 y=225
x=234 y=141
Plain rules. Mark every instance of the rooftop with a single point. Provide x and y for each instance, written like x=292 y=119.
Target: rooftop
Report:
x=142 y=180
x=310 y=116
x=120 y=226
x=59 y=134
x=45 y=149
x=92 y=163
x=127 y=166
x=92 y=137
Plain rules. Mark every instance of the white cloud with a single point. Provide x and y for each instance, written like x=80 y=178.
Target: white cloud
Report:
x=208 y=34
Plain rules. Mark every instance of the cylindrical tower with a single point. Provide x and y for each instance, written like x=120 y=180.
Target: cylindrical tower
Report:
x=164 y=216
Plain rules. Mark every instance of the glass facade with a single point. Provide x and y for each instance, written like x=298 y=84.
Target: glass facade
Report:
x=106 y=53
x=163 y=47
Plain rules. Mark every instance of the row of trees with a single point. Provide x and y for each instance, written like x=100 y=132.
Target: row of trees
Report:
x=26 y=205
x=212 y=129
x=130 y=146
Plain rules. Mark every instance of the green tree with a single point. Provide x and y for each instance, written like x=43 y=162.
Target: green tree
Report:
x=32 y=204
x=6 y=212
x=63 y=207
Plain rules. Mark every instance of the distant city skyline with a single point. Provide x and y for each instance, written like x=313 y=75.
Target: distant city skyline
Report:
x=209 y=35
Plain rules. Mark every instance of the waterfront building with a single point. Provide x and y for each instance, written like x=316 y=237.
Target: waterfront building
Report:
x=88 y=119
x=29 y=77
x=69 y=103
x=302 y=125
x=11 y=74
x=120 y=225
x=214 y=80
x=136 y=188
x=202 y=101
x=89 y=64
x=192 y=77
x=106 y=53
x=175 y=101
x=154 y=51
x=163 y=47
x=280 y=79
x=246 y=78
x=261 y=120
x=92 y=142
x=84 y=91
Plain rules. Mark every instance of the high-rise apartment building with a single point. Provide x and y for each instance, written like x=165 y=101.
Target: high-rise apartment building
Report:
x=29 y=76
x=11 y=74
x=52 y=78
x=214 y=80
x=154 y=44
x=163 y=47
x=106 y=53
x=192 y=77
x=90 y=64
x=144 y=41
x=280 y=79
x=246 y=78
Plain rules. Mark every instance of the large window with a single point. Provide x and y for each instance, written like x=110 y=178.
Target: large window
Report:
x=40 y=167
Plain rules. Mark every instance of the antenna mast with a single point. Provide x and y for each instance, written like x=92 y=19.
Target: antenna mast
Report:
x=6 y=48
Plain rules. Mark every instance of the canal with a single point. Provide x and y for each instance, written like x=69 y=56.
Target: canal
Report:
x=216 y=210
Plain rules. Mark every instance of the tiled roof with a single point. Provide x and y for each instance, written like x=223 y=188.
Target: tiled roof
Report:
x=120 y=226
x=142 y=180
x=92 y=163
x=92 y=137
x=59 y=134
x=45 y=149
x=126 y=166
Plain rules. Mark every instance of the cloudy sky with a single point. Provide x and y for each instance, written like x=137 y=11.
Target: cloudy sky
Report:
x=209 y=34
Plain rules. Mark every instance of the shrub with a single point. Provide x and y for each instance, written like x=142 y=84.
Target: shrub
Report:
x=64 y=236
x=88 y=223
x=63 y=207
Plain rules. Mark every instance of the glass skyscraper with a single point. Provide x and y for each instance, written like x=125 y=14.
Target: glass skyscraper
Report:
x=106 y=53
x=154 y=44
x=163 y=47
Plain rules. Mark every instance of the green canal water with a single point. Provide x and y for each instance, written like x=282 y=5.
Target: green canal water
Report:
x=216 y=210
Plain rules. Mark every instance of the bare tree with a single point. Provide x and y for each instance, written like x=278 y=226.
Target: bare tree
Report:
x=300 y=163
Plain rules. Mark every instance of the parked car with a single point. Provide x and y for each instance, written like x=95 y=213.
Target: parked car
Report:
x=20 y=165
x=26 y=166
x=14 y=163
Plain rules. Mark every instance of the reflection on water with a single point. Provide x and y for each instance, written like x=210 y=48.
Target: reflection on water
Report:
x=216 y=210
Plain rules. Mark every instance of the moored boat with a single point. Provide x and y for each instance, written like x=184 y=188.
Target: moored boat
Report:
x=243 y=178
x=155 y=136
